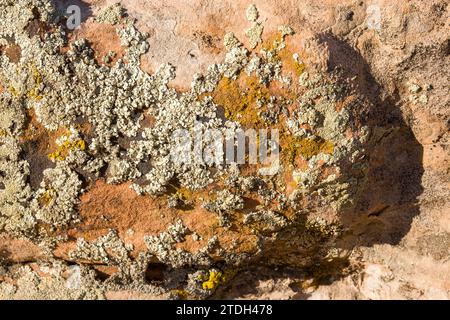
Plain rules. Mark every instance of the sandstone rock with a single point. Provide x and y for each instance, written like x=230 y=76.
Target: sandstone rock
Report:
x=390 y=241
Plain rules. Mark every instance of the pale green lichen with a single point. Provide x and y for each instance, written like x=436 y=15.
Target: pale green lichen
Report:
x=214 y=280
x=61 y=186
x=254 y=34
x=252 y=13
x=111 y=14
x=224 y=204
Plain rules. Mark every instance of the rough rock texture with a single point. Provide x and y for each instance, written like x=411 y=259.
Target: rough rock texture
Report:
x=87 y=210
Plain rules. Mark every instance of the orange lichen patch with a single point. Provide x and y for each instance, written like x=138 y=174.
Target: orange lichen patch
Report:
x=101 y=42
x=47 y=139
x=290 y=65
x=310 y=148
x=239 y=97
x=195 y=198
x=289 y=181
x=13 y=91
x=293 y=46
x=271 y=40
x=188 y=195
x=214 y=279
x=286 y=54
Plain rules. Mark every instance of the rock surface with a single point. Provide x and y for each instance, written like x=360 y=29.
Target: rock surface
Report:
x=393 y=242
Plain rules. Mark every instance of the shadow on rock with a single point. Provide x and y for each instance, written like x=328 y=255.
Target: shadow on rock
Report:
x=386 y=200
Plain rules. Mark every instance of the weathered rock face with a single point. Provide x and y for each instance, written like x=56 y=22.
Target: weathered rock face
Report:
x=94 y=204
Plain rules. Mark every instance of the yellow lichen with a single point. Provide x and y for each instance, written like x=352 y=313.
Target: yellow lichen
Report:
x=289 y=64
x=13 y=91
x=184 y=193
x=239 y=98
x=181 y=294
x=37 y=81
x=37 y=78
x=272 y=43
x=215 y=278
x=46 y=198
x=65 y=149
x=284 y=54
x=32 y=94
x=306 y=148
x=299 y=68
